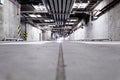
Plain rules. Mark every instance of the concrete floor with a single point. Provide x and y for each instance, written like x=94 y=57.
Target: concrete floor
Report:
x=39 y=61
x=28 y=61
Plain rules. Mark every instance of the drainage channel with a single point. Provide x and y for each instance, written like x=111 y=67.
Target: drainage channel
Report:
x=60 y=66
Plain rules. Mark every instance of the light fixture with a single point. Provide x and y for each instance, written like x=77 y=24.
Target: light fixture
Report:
x=32 y=15
x=76 y=5
x=38 y=15
x=73 y=20
x=81 y=5
x=41 y=8
x=69 y=23
x=68 y=27
x=49 y=20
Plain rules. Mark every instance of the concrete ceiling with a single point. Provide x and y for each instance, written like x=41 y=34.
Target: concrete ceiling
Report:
x=60 y=13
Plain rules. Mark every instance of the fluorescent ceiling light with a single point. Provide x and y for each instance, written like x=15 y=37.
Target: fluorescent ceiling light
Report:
x=81 y=5
x=32 y=15
x=73 y=20
x=41 y=8
x=69 y=23
x=49 y=20
x=68 y=27
x=38 y=15
x=76 y=5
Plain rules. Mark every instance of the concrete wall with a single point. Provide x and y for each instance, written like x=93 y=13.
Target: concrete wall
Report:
x=106 y=26
x=47 y=35
x=1 y=22
x=33 y=34
x=98 y=29
x=114 y=23
x=78 y=34
x=9 y=19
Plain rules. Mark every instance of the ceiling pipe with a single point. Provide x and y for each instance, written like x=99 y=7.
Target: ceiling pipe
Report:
x=108 y=7
x=71 y=7
x=60 y=9
x=52 y=9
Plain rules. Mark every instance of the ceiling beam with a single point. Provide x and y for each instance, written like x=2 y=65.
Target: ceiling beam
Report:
x=33 y=12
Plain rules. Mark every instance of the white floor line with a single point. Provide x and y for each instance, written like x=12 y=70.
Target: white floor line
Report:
x=16 y=43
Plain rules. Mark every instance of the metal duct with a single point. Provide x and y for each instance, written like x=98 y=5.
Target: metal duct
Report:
x=60 y=9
